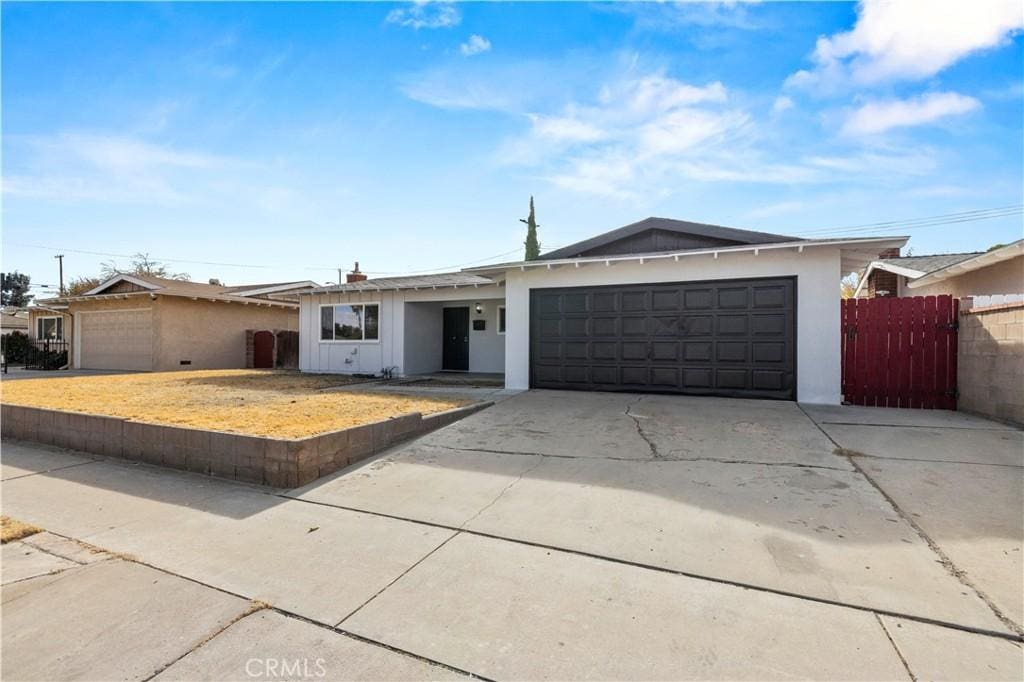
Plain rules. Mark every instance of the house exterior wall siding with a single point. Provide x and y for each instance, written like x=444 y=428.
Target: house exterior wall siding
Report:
x=817 y=272
x=1006 y=277
x=370 y=357
x=209 y=334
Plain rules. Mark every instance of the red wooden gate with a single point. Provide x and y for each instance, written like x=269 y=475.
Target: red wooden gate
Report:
x=263 y=350
x=900 y=352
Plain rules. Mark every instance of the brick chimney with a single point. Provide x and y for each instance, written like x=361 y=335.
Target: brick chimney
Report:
x=355 y=275
x=888 y=253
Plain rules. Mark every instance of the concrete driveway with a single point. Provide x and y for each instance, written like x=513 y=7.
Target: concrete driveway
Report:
x=568 y=536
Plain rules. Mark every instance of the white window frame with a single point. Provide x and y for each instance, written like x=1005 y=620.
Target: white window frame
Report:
x=497 y=320
x=40 y=337
x=319 y=317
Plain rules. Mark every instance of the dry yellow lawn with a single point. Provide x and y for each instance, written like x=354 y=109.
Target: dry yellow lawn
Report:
x=13 y=529
x=255 y=402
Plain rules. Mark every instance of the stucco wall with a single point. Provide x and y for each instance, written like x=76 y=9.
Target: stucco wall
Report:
x=370 y=357
x=817 y=271
x=990 y=368
x=1002 y=278
x=211 y=335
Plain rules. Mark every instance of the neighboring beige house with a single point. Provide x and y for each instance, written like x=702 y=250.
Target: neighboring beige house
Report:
x=14 y=320
x=999 y=272
x=134 y=322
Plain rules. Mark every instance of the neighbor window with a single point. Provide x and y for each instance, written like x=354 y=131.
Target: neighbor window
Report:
x=51 y=328
x=501 y=319
x=350 y=322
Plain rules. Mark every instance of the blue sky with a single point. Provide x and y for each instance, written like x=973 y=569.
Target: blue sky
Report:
x=297 y=138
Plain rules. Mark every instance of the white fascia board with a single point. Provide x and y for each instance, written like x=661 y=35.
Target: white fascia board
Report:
x=980 y=261
x=121 y=278
x=887 y=267
x=881 y=242
x=308 y=284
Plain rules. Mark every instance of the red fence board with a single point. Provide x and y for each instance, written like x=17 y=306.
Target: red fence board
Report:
x=900 y=352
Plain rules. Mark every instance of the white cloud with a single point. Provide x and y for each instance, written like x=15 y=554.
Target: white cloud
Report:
x=641 y=135
x=475 y=45
x=423 y=14
x=782 y=103
x=878 y=117
x=909 y=39
x=669 y=16
x=104 y=167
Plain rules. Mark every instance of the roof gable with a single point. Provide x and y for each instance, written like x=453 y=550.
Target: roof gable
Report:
x=119 y=284
x=652 y=235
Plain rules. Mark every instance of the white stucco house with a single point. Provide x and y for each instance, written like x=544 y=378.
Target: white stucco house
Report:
x=660 y=305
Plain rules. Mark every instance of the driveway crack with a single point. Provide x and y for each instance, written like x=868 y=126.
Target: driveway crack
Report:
x=522 y=474
x=640 y=429
x=959 y=574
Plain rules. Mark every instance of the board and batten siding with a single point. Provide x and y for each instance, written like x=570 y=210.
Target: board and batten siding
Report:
x=370 y=357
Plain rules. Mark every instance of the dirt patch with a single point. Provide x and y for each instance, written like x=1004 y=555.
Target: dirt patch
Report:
x=13 y=529
x=255 y=402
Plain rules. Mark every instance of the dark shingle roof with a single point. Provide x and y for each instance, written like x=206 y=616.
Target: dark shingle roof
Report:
x=929 y=263
x=444 y=279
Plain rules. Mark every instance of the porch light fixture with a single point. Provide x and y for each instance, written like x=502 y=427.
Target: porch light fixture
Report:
x=479 y=308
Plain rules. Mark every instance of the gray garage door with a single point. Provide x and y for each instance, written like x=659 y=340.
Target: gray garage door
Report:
x=727 y=338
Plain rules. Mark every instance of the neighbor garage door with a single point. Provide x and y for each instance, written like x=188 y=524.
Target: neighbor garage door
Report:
x=116 y=339
x=728 y=338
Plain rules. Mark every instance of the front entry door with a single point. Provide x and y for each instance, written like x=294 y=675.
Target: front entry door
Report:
x=456 y=339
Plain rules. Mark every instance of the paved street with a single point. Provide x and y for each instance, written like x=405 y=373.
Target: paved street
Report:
x=552 y=536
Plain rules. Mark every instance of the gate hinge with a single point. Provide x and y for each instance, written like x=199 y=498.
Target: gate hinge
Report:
x=952 y=393
x=952 y=326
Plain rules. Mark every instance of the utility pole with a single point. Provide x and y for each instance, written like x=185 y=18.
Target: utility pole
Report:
x=60 y=258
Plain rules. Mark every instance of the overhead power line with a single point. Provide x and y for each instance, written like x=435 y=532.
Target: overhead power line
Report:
x=928 y=221
x=883 y=226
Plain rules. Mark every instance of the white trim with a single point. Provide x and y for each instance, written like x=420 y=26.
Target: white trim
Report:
x=76 y=340
x=975 y=263
x=122 y=278
x=319 y=322
x=40 y=318
x=882 y=242
x=112 y=310
x=308 y=284
x=887 y=267
x=497 y=321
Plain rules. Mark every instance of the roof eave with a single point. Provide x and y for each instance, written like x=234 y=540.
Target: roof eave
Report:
x=799 y=245
x=976 y=263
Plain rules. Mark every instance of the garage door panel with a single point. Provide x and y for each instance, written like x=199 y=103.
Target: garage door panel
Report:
x=734 y=338
x=634 y=326
x=116 y=339
x=576 y=326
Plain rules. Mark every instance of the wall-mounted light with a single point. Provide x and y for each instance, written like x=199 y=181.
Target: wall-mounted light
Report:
x=479 y=308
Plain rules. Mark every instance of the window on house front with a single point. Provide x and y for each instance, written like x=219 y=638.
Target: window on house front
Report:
x=350 y=322
x=51 y=328
x=501 y=319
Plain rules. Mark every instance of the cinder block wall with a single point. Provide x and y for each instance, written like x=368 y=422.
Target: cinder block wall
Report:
x=990 y=369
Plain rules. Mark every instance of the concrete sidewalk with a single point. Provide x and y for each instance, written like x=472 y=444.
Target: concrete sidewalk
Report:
x=605 y=537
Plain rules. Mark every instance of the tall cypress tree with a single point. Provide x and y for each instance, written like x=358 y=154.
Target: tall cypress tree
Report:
x=531 y=243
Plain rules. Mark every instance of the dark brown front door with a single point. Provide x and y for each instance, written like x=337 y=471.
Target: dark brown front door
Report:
x=726 y=337
x=455 y=353
x=263 y=350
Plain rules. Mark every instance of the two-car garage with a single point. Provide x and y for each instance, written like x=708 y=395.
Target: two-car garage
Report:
x=733 y=338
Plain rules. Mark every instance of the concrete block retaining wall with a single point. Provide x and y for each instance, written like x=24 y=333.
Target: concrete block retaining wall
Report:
x=254 y=459
x=990 y=368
